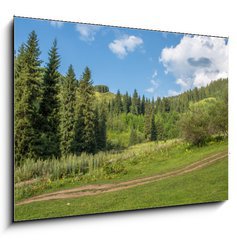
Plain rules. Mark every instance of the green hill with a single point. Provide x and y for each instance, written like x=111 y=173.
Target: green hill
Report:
x=104 y=97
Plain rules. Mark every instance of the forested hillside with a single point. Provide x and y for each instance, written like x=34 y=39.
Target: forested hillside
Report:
x=58 y=115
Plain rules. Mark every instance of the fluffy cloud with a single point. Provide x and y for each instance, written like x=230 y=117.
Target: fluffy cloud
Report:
x=87 y=32
x=56 y=24
x=173 y=93
x=154 y=83
x=154 y=74
x=196 y=61
x=121 y=47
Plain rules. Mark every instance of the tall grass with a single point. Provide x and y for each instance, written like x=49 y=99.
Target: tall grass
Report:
x=75 y=166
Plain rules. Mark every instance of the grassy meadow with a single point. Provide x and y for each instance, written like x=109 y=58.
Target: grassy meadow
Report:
x=84 y=143
x=204 y=185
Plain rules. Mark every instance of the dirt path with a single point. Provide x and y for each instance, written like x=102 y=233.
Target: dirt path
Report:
x=104 y=188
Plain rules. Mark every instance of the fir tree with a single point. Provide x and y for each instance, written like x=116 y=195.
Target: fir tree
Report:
x=147 y=124
x=153 y=131
x=135 y=103
x=67 y=112
x=85 y=140
x=28 y=82
x=118 y=103
x=100 y=127
x=126 y=104
x=22 y=130
x=150 y=125
x=49 y=107
x=143 y=105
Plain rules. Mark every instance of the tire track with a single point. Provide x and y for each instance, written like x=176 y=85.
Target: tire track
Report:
x=90 y=190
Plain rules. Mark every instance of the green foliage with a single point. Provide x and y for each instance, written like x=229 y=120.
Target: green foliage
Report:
x=135 y=107
x=100 y=127
x=203 y=120
x=118 y=105
x=115 y=167
x=55 y=115
x=67 y=112
x=70 y=166
x=181 y=102
x=150 y=125
x=85 y=139
x=143 y=102
x=126 y=103
x=137 y=161
x=133 y=139
x=153 y=133
x=101 y=88
x=28 y=82
x=49 y=107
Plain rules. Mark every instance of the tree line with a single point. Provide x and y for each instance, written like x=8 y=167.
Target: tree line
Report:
x=53 y=115
x=57 y=115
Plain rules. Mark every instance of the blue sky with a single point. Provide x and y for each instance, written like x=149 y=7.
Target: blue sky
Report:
x=155 y=63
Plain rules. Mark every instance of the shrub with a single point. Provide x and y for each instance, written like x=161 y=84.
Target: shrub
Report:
x=204 y=119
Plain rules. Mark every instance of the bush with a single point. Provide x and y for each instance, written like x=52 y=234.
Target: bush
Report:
x=116 y=167
x=204 y=119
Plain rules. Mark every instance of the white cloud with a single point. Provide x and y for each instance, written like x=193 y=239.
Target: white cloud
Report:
x=173 y=93
x=150 y=90
x=154 y=74
x=196 y=61
x=182 y=83
x=56 y=24
x=87 y=32
x=154 y=83
x=121 y=47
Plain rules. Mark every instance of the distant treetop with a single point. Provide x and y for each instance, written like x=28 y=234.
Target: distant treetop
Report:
x=101 y=88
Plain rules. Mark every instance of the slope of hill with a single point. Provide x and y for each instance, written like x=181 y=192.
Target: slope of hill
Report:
x=104 y=97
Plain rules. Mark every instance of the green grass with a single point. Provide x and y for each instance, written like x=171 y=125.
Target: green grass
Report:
x=137 y=161
x=205 y=185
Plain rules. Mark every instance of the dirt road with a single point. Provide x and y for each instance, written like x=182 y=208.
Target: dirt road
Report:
x=104 y=188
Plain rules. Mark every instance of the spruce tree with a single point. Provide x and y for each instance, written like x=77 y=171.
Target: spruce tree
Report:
x=67 y=112
x=49 y=107
x=143 y=105
x=135 y=103
x=150 y=128
x=126 y=103
x=85 y=139
x=22 y=130
x=153 y=133
x=28 y=83
x=100 y=127
x=118 y=103
x=147 y=119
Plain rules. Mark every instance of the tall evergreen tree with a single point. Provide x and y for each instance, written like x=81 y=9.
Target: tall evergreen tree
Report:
x=85 y=139
x=21 y=127
x=28 y=82
x=143 y=105
x=126 y=104
x=147 y=119
x=153 y=133
x=67 y=112
x=100 y=127
x=139 y=105
x=118 y=108
x=135 y=103
x=150 y=129
x=49 y=107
